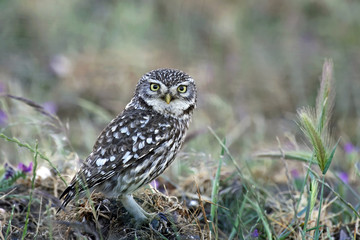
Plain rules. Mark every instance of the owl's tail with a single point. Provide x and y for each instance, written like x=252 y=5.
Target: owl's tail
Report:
x=75 y=188
x=69 y=194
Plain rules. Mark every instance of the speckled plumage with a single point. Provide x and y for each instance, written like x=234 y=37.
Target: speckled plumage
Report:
x=141 y=142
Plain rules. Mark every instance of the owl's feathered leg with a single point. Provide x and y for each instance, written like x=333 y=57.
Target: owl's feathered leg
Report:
x=140 y=215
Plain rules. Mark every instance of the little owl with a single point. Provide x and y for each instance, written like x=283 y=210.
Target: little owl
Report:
x=141 y=142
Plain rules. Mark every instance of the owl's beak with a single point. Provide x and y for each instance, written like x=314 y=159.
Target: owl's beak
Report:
x=168 y=98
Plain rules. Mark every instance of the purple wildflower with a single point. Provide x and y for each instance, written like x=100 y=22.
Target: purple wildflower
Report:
x=3 y=118
x=349 y=148
x=255 y=233
x=50 y=107
x=344 y=177
x=25 y=169
x=295 y=173
x=9 y=171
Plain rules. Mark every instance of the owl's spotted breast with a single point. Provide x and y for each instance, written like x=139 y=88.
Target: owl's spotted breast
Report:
x=132 y=144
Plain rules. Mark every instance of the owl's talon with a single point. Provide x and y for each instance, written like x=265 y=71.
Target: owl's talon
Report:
x=162 y=217
x=158 y=221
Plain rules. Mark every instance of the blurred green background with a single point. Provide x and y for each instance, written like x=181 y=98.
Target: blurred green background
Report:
x=255 y=62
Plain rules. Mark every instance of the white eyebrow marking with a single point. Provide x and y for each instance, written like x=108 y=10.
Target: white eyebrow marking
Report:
x=150 y=80
x=183 y=83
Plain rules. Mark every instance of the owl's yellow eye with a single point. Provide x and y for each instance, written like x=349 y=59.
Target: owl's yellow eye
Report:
x=154 y=87
x=182 y=89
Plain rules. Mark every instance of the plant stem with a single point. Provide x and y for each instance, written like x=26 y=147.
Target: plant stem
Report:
x=304 y=182
x=8 y=229
x=317 y=231
x=306 y=217
x=214 y=196
x=31 y=192
x=27 y=146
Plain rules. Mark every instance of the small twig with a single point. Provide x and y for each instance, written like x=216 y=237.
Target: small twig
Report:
x=4 y=196
x=37 y=107
x=40 y=209
x=289 y=228
x=210 y=202
x=54 y=119
x=203 y=212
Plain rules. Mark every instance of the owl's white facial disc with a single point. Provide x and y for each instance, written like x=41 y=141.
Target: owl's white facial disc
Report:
x=169 y=92
x=179 y=103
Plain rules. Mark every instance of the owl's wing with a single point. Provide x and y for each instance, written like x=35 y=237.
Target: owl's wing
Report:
x=126 y=146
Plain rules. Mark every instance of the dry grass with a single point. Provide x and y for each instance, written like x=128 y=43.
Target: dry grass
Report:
x=186 y=219
x=111 y=220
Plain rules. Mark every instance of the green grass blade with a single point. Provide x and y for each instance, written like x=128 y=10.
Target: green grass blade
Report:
x=331 y=156
x=317 y=230
x=31 y=192
x=9 y=224
x=27 y=146
x=342 y=199
x=214 y=195
x=227 y=151
x=263 y=219
x=234 y=230
x=290 y=155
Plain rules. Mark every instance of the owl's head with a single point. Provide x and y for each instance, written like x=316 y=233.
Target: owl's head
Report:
x=166 y=91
